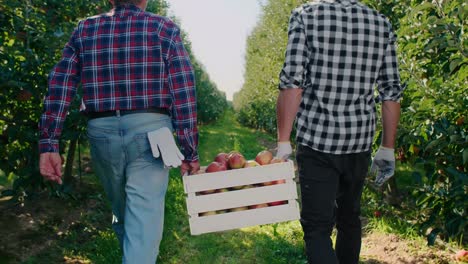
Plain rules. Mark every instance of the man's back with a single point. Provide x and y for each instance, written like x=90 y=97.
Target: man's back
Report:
x=344 y=49
x=124 y=55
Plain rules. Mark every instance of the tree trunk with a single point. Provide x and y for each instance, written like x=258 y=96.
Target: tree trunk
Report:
x=68 y=178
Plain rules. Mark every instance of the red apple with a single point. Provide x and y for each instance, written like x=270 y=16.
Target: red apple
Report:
x=274 y=182
x=236 y=161
x=215 y=166
x=269 y=183
x=277 y=203
x=461 y=255
x=258 y=206
x=377 y=214
x=222 y=158
x=264 y=157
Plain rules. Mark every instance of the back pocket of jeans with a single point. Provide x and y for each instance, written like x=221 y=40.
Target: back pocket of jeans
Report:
x=100 y=149
x=143 y=147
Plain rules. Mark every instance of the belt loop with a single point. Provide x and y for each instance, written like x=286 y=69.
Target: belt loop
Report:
x=117 y=113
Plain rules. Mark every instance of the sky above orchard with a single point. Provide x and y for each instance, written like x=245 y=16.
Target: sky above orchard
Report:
x=218 y=30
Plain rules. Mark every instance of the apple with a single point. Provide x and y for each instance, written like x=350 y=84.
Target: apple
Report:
x=264 y=157
x=236 y=161
x=255 y=206
x=207 y=213
x=201 y=170
x=277 y=160
x=242 y=187
x=207 y=192
x=461 y=255
x=237 y=209
x=222 y=158
x=377 y=214
x=215 y=167
x=251 y=163
x=277 y=203
x=24 y=95
x=269 y=183
x=274 y=182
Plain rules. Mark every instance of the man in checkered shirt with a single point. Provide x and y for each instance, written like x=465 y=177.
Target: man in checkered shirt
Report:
x=338 y=52
x=138 y=84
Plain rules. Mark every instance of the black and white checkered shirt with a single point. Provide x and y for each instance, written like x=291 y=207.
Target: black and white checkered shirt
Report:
x=338 y=52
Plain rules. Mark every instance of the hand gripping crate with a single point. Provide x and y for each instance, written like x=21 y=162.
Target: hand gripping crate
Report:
x=246 y=190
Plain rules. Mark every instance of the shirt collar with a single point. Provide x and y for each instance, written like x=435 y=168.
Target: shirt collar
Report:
x=126 y=8
x=342 y=1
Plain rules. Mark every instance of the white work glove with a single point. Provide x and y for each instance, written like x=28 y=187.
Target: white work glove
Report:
x=383 y=165
x=284 y=150
x=163 y=144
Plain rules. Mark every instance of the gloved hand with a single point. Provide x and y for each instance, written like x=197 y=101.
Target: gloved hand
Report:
x=163 y=144
x=284 y=150
x=383 y=165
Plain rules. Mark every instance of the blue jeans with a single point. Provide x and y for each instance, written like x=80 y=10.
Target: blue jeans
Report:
x=134 y=181
x=331 y=189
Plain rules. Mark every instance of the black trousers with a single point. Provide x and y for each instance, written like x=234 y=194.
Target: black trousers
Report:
x=331 y=189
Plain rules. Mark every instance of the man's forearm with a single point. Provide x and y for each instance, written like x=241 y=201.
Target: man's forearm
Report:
x=286 y=110
x=390 y=119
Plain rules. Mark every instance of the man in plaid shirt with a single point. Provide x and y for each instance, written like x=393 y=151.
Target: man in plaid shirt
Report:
x=337 y=53
x=136 y=78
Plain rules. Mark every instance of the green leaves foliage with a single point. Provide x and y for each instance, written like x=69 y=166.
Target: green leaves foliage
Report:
x=433 y=58
x=33 y=34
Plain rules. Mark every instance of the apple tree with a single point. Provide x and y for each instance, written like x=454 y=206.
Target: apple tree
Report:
x=434 y=127
x=33 y=34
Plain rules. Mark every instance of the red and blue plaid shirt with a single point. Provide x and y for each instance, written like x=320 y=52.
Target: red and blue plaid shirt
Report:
x=125 y=59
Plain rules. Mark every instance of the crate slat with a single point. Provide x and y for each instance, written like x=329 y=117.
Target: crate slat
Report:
x=243 y=197
x=234 y=220
x=239 y=177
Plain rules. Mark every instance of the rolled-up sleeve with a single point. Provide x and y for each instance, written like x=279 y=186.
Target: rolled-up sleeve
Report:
x=297 y=54
x=388 y=83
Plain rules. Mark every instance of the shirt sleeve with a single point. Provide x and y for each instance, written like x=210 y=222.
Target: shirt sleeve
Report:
x=181 y=81
x=388 y=82
x=62 y=85
x=297 y=54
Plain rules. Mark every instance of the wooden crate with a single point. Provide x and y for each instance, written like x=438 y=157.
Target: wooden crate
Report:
x=256 y=193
